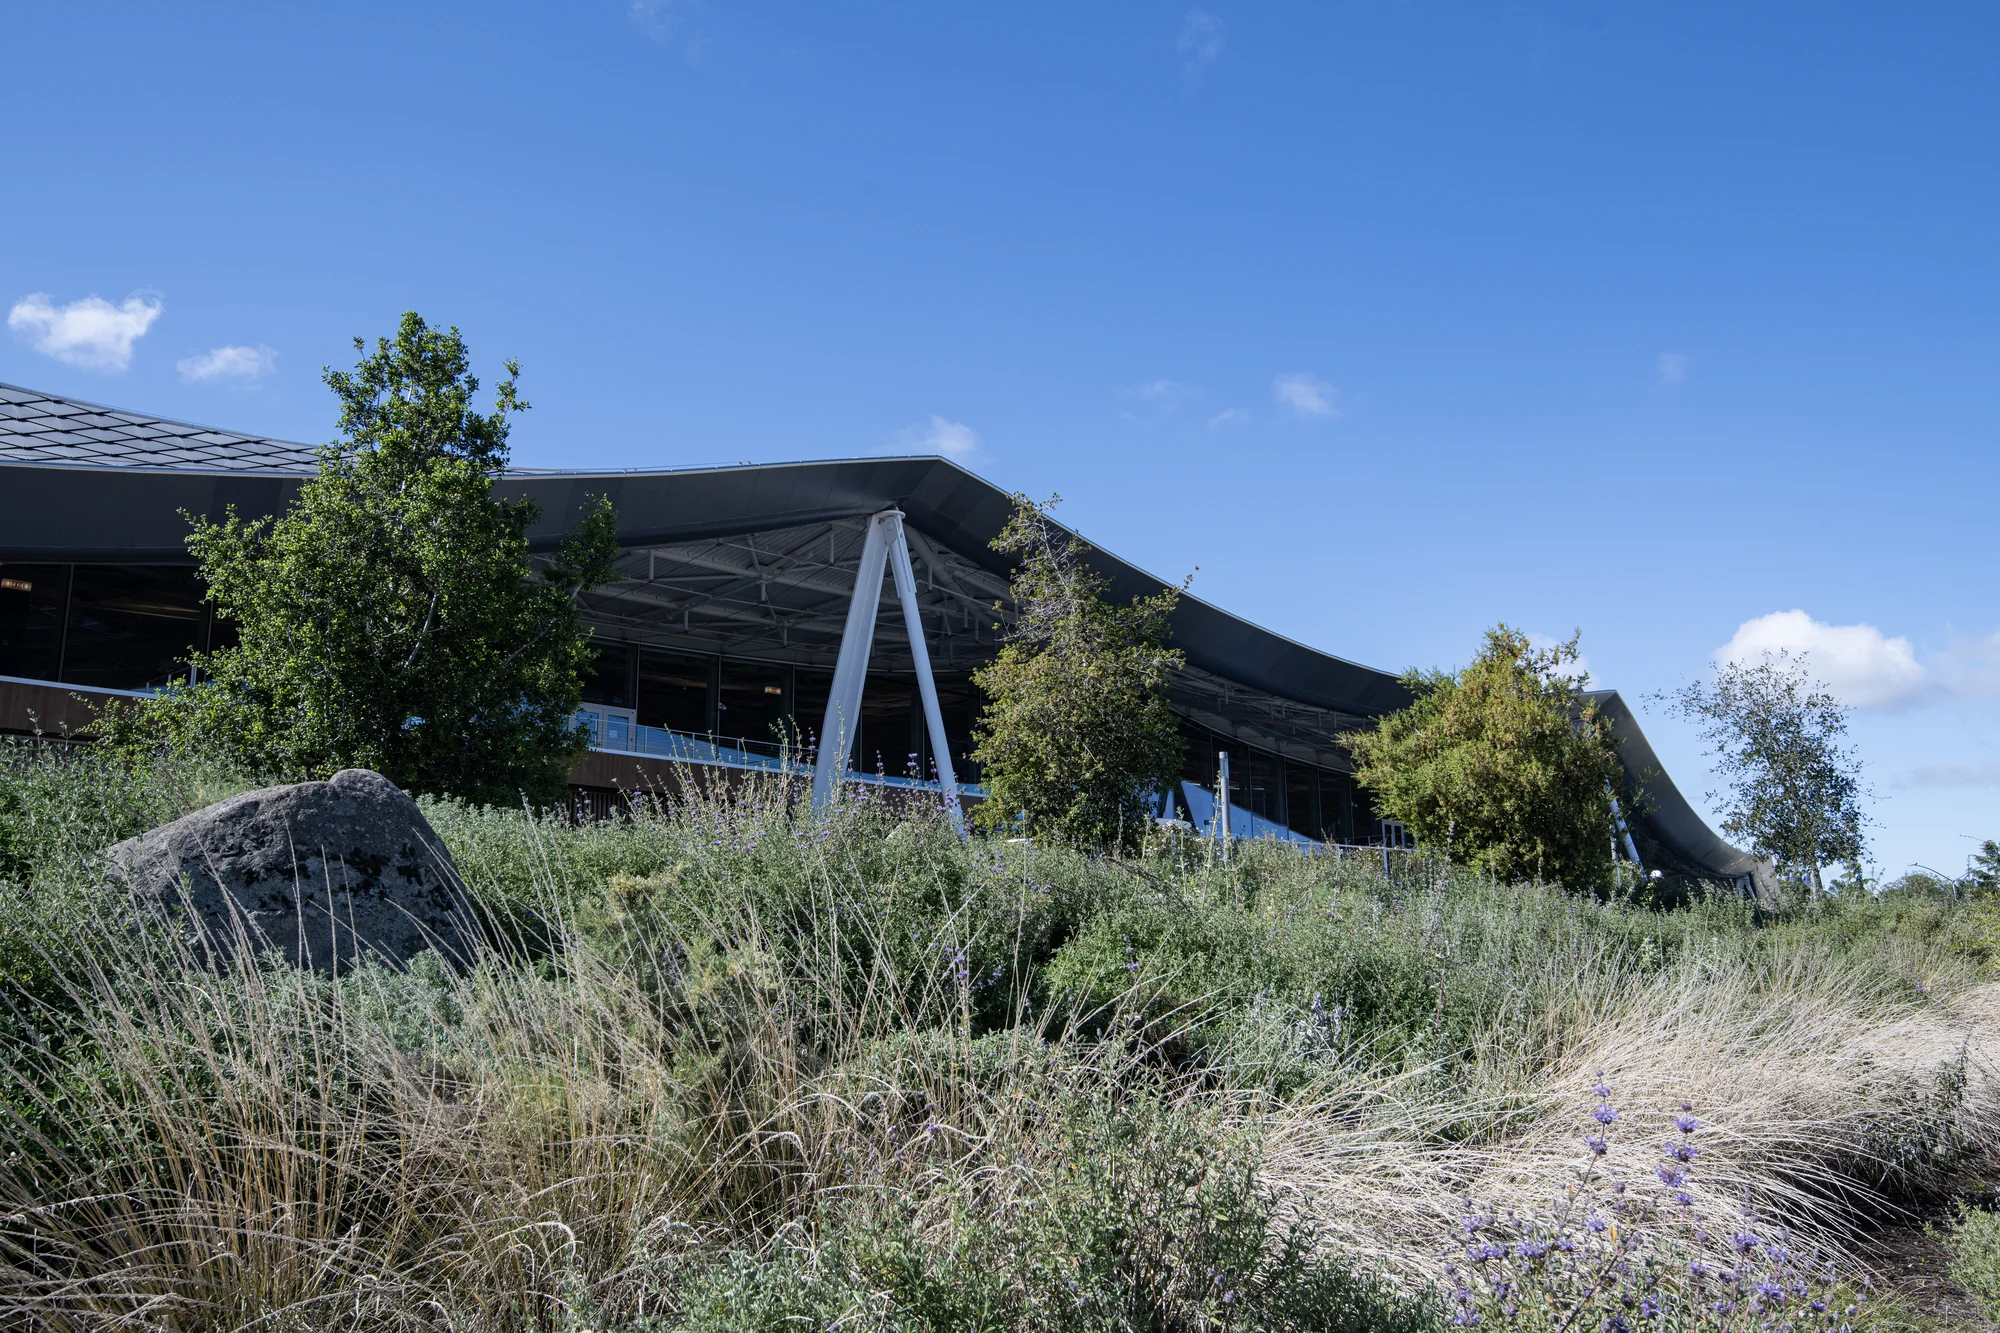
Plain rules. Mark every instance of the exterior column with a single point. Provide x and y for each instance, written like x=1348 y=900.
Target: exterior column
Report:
x=913 y=624
x=850 y=672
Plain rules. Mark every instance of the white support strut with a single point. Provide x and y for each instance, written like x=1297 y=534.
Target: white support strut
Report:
x=850 y=672
x=913 y=623
x=887 y=545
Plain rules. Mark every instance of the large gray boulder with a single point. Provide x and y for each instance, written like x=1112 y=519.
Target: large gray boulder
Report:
x=318 y=871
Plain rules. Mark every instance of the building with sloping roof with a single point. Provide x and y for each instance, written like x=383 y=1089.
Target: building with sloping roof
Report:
x=733 y=625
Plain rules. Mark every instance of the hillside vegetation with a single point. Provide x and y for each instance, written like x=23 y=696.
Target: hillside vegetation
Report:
x=726 y=1066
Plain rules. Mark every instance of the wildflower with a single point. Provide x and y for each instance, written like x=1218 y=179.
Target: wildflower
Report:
x=1531 y=1249
x=1725 y=1307
x=1649 y=1306
x=1686 y=1123
x=1683 y=1151
x=1683 y=1198
x=1605 y=1113
x=1595 y=1222
x=1743 y=1241
x=1697 y=1269
x=1479 y=1254
x=1671 y=1176
x=1597 y=1144
x=1600 y=1088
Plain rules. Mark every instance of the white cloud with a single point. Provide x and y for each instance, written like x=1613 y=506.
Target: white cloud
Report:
x=1956 y=775
x=1861 y=666
x=1166 y=393
x=1672 y=367
x=247 y=364
x=1200 y=42
x=1306 y=395
x=953 y=439
x=91 y=333
x=1229 y=416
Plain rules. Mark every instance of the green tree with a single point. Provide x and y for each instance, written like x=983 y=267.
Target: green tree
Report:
x=1076 y=733
x=1982 y=870
x=391 y=618
x=1775 y=734
x=1505 y=765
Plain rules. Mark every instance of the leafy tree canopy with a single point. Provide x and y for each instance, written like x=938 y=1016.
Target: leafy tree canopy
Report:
x=391 y=619
x=1776 y=736
x=1076 y=733
x=1504 y=764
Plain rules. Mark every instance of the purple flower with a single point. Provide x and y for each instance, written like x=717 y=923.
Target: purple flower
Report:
x=1596 y=1143
x=1743 y=1242
x=1725 y=1307
x=1672 y=1176
x=1649 y=1306
x=1602 y=1089
x=1685 y=1123
x=1697 y=1269
x=1605 y=1113
x=1531 y=1249
x=1682 y=1151
x=1595 y=1222
x=1683 y=1198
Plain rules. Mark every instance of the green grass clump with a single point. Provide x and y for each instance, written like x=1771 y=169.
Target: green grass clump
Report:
x=1974 y=1239
x=730 y=1066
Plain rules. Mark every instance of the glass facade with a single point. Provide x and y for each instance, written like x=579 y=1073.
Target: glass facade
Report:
x=1320 y=803
x=32 y=599
x=673 y=691
x=752 y=704
x=116 y=627
x=613 y=676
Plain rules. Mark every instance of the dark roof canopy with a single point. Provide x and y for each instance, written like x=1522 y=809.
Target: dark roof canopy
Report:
x=87 y=483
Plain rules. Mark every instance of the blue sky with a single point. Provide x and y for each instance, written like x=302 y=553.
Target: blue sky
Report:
x=1661 y=322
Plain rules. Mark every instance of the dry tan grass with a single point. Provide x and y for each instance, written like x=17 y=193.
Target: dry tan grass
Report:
x=1820 y=1102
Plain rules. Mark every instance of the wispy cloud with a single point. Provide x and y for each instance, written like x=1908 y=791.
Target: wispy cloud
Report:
x=1306 y=396
x=1672 y=367
x=1860 y=665
x=1200 y=43
x=1969 y=667
x=246 y=365
x=953 y=439
x=1956 y=775
x=91 y=333
x=1229 y=416
x=656 y=18
x=1161 y=393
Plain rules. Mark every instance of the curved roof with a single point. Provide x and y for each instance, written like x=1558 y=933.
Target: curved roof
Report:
x=90 y=483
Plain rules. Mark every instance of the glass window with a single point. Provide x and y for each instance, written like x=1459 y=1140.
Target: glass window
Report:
x=608 y=679
x=960 y=703
x=31 y=614
x=810 y=691
x=1301 y=813
x=131 y=627
x=1260 y=771
x=673 y=691
x=891 y=727
x=752 y=702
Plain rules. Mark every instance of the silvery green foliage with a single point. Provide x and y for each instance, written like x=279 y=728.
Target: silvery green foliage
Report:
x=1777 y=736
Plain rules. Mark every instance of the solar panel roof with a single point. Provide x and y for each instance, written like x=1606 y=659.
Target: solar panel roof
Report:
x=37 y=427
